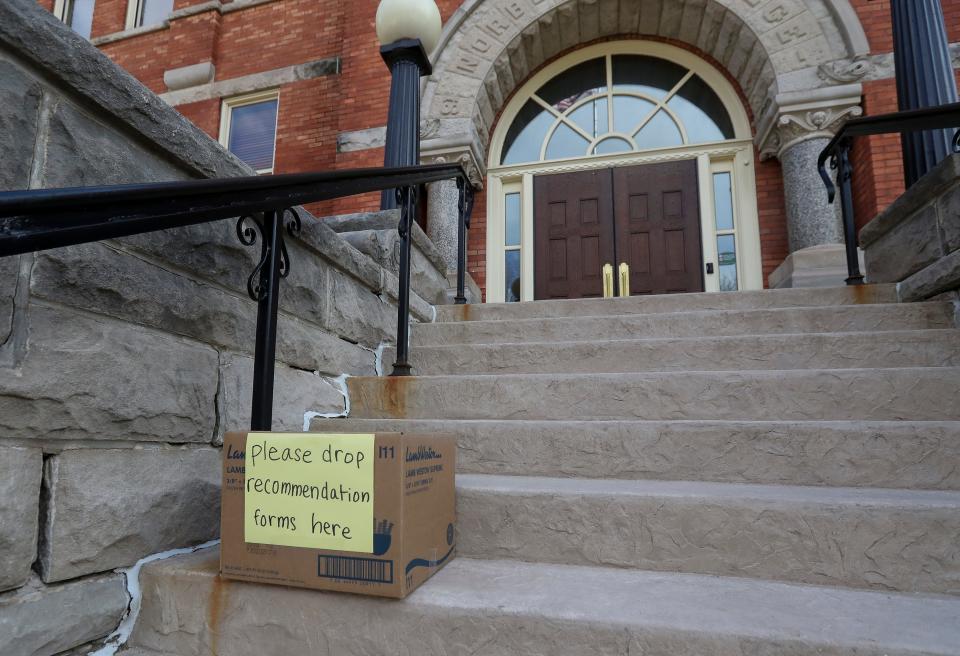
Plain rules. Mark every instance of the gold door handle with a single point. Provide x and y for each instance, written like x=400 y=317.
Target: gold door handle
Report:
x=608 y=280
x=624 y=279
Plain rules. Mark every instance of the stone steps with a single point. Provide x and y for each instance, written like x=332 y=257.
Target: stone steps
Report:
x=928 y=393
x=511 y=608
x=770 y=298
x=709 y=323
x=917 y=348
x=901 y=540
x=912 y=455
x=723 y=474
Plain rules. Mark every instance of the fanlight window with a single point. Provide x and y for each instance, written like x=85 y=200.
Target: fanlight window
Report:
x=616 y=104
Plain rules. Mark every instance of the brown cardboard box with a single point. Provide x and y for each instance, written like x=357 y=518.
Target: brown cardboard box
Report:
x=413 y=510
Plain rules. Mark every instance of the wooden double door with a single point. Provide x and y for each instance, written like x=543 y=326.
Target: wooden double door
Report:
x=646 y=216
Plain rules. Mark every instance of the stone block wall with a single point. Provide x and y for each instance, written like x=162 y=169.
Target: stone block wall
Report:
x=375 y=234
x=916 y=241
x=122 y=363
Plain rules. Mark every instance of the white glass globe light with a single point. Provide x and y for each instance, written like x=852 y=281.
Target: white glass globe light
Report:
x=409 y=19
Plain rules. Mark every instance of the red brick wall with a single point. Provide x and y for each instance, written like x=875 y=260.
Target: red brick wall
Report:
x=772 y=215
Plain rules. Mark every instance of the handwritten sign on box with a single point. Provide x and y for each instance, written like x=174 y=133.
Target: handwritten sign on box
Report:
x=311 y=490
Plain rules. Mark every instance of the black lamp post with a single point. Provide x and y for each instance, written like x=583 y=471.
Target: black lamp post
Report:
x=407 y=30
x=924 y=79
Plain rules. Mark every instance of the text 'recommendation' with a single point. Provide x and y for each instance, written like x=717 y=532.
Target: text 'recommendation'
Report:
x=309 y=490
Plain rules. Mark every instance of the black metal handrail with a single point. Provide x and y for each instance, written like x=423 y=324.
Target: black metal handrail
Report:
x=838 y=153
x=42 y=219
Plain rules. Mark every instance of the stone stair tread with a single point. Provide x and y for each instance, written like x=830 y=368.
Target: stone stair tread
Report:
x=880 y=539
x=907 y=393
x=510 y=607
x=931 y=347
x=693 y=490
x=704 y=301
x=946 y=334
x=691 y=323
x=894 y=454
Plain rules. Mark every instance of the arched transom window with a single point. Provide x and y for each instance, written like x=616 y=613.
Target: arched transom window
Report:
x=616 y=104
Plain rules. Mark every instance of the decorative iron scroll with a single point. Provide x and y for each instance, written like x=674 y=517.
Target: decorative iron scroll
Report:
x=249 y=228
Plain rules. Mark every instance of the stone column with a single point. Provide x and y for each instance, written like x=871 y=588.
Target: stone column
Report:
x=811 y=219
x=800 y=127
x=442 y=199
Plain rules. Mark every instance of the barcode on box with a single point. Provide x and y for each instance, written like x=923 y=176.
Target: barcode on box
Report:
x=355 y=569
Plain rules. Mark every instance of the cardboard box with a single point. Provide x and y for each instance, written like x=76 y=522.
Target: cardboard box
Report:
x=364 y=513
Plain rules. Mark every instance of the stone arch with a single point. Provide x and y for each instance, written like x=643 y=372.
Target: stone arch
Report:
x=489 y=47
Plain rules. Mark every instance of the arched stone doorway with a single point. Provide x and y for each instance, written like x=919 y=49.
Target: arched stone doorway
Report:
x=652 y=136
x=795 y=61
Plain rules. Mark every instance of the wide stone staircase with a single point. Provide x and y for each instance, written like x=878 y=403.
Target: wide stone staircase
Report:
x=770 y=472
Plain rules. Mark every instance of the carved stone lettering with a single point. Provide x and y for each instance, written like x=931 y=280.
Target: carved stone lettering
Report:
x=480 y=45
x=497 y=27
x=776 y=14
x=449 y=106
x=789 y=35
x=514 y=10
x=466 y=64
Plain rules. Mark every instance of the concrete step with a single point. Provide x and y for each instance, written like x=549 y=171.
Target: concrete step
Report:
x=716 y=323
x=912 y=348
x=768 y=298
x=509 y=608
x=914 y=394
x=914 y=455
x=901 y=540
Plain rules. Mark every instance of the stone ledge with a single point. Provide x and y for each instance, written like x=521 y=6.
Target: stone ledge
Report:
x=208 y=89
x=211 y=5
x=914 y=241
x=933 y=184
x=113 y=37
x=937 y=278
x=38 y=620
x=189 y=76
x=386 y=220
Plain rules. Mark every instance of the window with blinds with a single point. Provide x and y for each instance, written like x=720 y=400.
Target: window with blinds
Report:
x=252 y=132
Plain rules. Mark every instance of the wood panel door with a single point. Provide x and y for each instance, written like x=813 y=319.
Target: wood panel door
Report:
x=657 y=217
x=573 y=233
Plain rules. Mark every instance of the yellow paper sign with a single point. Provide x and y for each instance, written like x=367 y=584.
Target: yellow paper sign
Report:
x=309 y=490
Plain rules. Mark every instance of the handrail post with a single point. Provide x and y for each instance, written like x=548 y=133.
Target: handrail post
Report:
x=464 y=208
x=841 y=162
x=407 y=199
x=268 y=293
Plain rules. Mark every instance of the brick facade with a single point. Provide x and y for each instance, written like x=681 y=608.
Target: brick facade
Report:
x=279 y=33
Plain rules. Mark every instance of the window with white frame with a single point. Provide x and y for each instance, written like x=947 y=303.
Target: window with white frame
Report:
x=142 y=13
x=726 y=228
x=78 y=14
x=248 y=128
